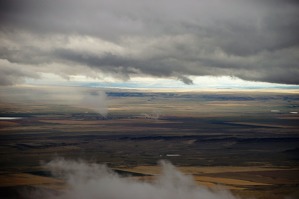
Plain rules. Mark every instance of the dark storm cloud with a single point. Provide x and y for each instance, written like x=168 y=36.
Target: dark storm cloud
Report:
x=253 y=40
x=121 y=64
x=14 y=73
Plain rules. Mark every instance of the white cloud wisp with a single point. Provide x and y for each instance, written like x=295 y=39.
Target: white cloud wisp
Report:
x=94 y=181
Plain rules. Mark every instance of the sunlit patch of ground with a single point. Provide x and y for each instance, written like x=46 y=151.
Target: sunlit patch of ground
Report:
x=70 y=122
x=22 y=179
x=229 y=177
x=261 y=125
x=153 y=170
x=228 y=181
x=228 y=104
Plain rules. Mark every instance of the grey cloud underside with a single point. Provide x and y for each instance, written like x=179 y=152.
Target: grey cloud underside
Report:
x=253 y=40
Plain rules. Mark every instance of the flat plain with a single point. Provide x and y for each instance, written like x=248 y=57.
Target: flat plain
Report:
x=246 y=141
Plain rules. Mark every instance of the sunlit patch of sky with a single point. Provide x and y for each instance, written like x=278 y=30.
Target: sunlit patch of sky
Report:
x=199 y=82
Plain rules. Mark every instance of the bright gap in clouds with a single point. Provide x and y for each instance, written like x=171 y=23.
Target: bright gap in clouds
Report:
x=199 y=82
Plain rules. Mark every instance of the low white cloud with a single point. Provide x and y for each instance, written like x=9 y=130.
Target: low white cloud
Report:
x=94 y=181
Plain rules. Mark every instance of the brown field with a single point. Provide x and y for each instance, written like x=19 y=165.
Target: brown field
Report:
x=70 y=122
x=262 y=125
x=228 y=181
x=227 y=105
x=243 y=181
x=7 y=123
x=202 y=170
x=19 y=179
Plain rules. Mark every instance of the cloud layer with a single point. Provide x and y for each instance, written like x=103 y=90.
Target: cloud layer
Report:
x=97 y=182
x=252 y=40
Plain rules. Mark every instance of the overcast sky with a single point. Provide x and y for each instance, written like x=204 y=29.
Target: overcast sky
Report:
x=127 y=39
